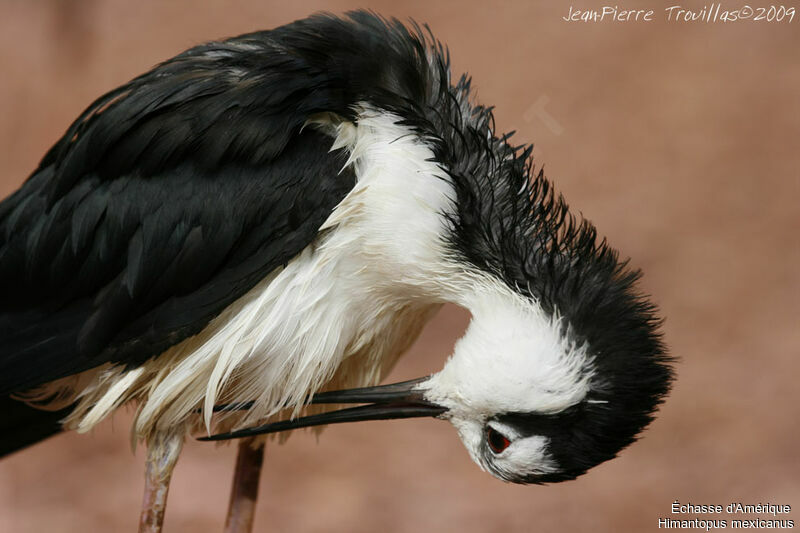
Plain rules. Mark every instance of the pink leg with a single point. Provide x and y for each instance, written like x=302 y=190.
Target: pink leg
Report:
x=244 y=493
x=162 y=454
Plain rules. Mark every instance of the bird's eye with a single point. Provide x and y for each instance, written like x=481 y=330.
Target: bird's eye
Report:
x=497 y=441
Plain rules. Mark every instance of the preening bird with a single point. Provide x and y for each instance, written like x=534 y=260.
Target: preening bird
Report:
x=262 y=225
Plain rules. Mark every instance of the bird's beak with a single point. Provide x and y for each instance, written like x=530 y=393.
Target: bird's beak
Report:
x=385 y=402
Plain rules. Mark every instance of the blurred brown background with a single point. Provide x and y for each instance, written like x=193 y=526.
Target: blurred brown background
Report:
x=678 y=140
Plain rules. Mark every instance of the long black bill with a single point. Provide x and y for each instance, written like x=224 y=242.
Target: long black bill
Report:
x=386 y=402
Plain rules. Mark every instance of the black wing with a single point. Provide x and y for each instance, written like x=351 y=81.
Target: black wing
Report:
x=164 y=202
x=176 y=193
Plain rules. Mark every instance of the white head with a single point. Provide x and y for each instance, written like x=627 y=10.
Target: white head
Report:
x=513 y=358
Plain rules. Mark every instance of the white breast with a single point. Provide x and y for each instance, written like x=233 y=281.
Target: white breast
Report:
x=339 y=314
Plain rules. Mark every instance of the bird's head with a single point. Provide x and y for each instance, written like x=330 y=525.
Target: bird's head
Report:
x=534 y=400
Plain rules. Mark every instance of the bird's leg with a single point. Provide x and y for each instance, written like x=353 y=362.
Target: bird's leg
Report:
x=244 y=492
x=162 y=454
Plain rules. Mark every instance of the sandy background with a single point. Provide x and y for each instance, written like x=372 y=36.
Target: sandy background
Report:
x=678 y=140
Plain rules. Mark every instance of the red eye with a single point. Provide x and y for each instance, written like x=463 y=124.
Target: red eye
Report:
x=497 y=441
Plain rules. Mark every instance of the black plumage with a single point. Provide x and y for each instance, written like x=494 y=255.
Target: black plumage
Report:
x=120 y=268
x=173 y=195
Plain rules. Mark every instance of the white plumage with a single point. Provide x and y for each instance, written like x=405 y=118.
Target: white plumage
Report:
x=336 y=316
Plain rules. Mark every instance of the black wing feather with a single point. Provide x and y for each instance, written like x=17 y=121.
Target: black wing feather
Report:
x=171 y=196
x=135 y=231
x=138 y=264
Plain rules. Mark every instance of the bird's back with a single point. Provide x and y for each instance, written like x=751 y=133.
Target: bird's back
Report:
x=172 y=198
